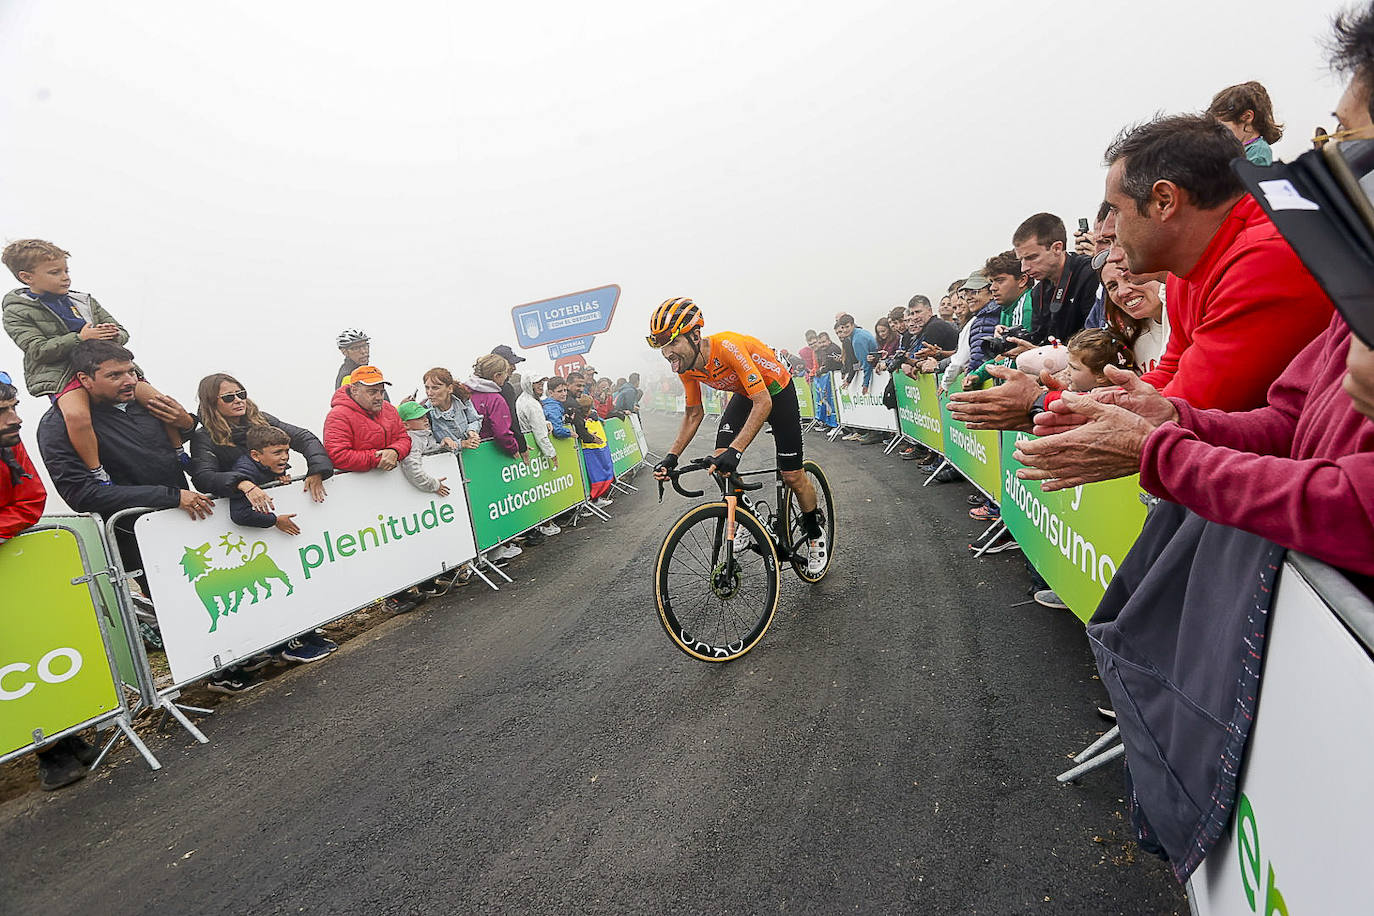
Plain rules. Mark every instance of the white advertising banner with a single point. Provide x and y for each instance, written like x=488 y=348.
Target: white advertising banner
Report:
x=866 y=411
x=639 y=431
x=1299 y=840
x=224 y=592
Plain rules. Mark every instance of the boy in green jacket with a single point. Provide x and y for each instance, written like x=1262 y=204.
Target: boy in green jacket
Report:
x=46 y=320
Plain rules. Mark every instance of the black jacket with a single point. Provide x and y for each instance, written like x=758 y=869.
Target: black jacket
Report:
x=134 y=451
x=212 y=466
x=240 y=509
x=1063 y=316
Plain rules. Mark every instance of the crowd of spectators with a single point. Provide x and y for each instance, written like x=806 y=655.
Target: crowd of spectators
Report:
x=111 y=442
x=1177 y=335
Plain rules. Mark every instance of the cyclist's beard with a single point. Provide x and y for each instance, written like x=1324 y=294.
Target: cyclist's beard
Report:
x=686 y=365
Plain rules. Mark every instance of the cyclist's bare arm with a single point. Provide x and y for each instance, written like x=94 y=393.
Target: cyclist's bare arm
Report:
x=758 y=415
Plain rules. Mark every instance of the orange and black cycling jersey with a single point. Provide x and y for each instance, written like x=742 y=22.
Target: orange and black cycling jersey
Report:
x=738 y=363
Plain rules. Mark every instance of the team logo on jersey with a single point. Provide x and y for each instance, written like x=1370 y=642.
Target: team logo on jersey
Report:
x=752 y=380
x=716 y=363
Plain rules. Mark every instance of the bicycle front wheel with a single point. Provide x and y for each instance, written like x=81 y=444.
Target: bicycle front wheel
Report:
x=713 y=609
x=793 y=514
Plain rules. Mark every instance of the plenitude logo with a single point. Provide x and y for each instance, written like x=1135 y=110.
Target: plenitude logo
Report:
x=390 y=530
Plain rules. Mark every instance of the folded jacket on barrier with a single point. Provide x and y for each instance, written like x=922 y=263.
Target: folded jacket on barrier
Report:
x=1179 y=639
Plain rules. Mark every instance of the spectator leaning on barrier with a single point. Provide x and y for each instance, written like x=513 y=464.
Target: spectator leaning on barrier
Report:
x=488 y=375
x=22 y=494
x=1065 y=283
x=415 y=418
x=627 y=395
x=861 y=342
x=533 y=421
x=145 y=471
x=1240 y=303
x=363 y=432
x=555 y=408
x=227 y=414
x=455 y=422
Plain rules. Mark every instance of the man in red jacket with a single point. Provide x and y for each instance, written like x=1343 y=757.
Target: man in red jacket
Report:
x=22 y=495
x=1241 y=304
x=363 y=432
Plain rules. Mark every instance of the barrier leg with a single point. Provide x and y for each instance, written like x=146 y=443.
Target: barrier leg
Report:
x=944 y=463
x=120 y=578
x=987 y=537
x=1095 y=763
x=494 y=568
x=1107 y=738
x=892 y=443
x=126 y=731
x=598 y=512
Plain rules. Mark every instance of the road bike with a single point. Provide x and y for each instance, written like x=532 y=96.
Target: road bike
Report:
x=717 y=575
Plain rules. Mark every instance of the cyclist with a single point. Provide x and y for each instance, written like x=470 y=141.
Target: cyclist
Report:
x=762 y=392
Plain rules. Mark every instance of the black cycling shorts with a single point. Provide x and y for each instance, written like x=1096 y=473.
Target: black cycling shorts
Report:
x=784 y=418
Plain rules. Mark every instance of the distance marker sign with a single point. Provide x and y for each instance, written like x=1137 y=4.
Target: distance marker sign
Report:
x=566 y=317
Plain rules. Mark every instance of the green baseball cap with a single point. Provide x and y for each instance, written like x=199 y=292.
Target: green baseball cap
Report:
x=411 y=410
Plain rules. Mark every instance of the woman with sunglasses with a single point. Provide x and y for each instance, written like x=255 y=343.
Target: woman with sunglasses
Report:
x=226 y=412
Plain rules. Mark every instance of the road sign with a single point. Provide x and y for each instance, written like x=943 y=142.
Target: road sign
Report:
x=567 y=365
x=565 y=317
x=571 y=347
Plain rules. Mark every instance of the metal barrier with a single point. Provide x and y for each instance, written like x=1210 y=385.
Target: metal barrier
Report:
x=38 y=610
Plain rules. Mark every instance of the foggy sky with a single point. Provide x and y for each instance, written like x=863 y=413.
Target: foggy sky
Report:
x=238 y=184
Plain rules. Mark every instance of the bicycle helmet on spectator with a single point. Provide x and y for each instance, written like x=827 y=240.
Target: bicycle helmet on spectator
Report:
x=671 y=319
x=350 y=337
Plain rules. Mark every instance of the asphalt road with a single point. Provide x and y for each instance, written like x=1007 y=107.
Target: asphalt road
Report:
x=890 y=747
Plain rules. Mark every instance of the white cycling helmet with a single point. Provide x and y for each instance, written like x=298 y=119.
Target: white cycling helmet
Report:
x=350 y=336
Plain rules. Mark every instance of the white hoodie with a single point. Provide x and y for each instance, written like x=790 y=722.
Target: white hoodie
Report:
x=531 y=416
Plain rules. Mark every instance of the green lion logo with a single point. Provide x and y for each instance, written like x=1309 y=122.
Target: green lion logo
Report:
x=222 y=590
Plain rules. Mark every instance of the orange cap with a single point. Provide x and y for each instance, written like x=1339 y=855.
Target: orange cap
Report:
x=367 y=375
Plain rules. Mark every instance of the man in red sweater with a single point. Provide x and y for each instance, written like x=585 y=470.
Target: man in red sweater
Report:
x=1241 y=304
x=22 y=495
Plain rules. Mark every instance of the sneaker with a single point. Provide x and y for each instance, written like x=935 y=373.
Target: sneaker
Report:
x=230 y=680
x=1106 y=713
x=872 y=438
x=509 y=551
x=1006 y=542
x=256 y=662
x=303 y=649
x=603 y=502
x=853 y=437
x=431 y=589
x=319 y=640
x=80 y=748
x=57 y=768
x=948 y=474
x=102 y=477
x=1047 y=597
x=398 y=604
x=928 y=468
x=533 y=539
x=816 y=553
x=548 y=529
x=984 y=514
x=977 y=499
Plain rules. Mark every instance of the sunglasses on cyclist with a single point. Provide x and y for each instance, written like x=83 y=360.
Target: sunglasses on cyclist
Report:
x=233 y=396
x=662 y=338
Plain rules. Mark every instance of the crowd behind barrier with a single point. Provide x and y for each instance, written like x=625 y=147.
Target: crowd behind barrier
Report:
x=230 y=580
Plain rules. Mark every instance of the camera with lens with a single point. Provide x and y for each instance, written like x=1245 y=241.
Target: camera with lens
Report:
x=998 y=344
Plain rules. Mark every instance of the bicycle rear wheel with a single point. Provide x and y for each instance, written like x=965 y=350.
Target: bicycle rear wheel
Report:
x=795 y=531
x=711 y=611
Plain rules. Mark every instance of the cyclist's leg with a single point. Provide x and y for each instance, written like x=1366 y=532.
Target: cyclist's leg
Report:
x=732 y=420
x=785 y=418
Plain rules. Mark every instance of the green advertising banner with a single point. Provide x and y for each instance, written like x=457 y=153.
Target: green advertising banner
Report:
x=626 y=451
x=977 y=453
x=1075 y=538
x=54 y=673
x=663 y=402
x=712 y=401
x=507 y=496
x=806 y=401
x=918 y=410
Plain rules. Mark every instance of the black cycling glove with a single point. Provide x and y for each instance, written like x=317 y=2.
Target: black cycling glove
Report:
x=727 y=462
x=668 y=463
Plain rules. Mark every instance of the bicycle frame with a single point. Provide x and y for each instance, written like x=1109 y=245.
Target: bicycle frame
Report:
x=733 y=492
